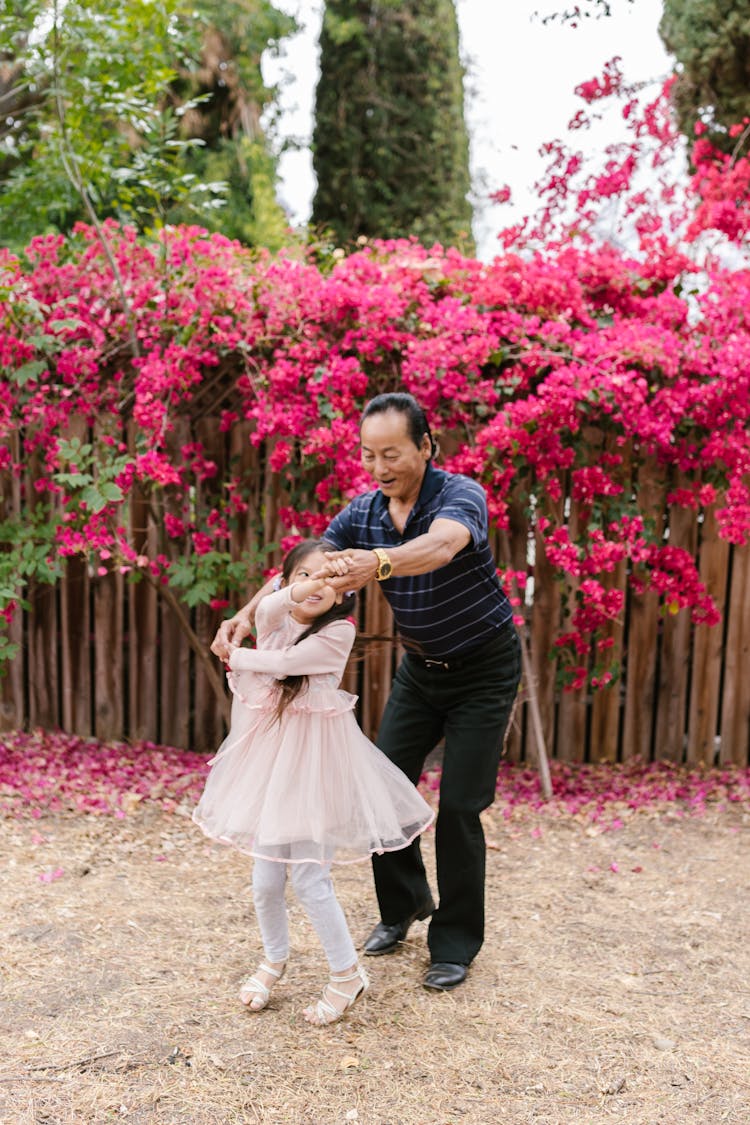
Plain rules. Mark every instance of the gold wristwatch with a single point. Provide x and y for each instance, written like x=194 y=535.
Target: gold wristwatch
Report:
x=385 y=566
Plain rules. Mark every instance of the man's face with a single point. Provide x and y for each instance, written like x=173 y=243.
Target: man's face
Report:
x=390 y=456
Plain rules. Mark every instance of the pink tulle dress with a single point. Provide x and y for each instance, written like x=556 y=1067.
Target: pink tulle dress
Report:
x=311 y=787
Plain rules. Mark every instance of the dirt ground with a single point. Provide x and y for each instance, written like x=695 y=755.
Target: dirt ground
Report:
x=613 y=985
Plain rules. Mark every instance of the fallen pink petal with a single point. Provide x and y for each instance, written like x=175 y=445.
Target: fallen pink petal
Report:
x=50 y=876
x=52 y=771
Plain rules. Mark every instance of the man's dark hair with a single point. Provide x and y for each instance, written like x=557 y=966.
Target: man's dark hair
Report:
x=406 y=404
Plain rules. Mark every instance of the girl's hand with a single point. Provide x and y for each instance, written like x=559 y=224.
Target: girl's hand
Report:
x=360 y=567
x=335 y=567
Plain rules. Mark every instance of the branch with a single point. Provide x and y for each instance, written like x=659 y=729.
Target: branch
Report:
x=70 y=166
x=194 y=641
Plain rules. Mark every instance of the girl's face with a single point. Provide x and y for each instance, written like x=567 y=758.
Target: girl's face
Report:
x=319 y=603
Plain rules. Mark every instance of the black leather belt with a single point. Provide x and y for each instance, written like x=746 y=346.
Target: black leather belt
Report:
x=461 y=659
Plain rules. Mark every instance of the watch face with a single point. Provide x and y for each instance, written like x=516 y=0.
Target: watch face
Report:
x=384 y=570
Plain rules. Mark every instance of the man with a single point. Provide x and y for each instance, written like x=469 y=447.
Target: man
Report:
x=423 y=534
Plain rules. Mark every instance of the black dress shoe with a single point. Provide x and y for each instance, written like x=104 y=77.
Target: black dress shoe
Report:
x=384 y=939
x=445 y=975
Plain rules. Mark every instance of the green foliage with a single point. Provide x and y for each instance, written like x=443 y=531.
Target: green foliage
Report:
x=390 y=148
x=110 y=109
x=197 y=577
x=97 y=124
x=250 y=211
x=89 y=479
x=710 y=40
x=231 y=96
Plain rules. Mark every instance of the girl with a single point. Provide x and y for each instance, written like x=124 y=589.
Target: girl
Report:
x=296 y=784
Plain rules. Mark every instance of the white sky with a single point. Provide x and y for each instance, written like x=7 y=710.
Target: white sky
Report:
x=519 y=93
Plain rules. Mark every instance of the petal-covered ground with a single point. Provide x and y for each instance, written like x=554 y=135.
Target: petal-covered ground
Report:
x=43 y=771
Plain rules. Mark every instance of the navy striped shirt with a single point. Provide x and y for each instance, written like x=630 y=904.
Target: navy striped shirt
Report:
x=452 y=609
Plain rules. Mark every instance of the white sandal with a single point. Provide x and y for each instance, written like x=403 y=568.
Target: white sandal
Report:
x=253 y=989
x=326 y=1012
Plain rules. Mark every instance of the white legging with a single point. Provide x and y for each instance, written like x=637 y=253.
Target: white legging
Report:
x=314 y=889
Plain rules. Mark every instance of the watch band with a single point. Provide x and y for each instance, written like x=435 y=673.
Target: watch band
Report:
x=385 y=566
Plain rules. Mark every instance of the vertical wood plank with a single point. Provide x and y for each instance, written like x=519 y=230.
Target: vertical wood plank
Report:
x=244 y=464
x=12 y=695
x=207 y=720
x=674 y=664
x=208 y=723
x=12 y=709
x=378 y=625
x=75 y=627
x=707 y=649
x=43 y=640
x=174 y=650
x=42 y=634
x=735 y=704
x=143 y=615
x=75 y=647
x=643 y=635
x=516 y=542
x=571 y=711
x=545 y=616
x=109 y=657
x=606 y=702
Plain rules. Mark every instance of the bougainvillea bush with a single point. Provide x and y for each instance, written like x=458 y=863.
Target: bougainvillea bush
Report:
x=552 y=372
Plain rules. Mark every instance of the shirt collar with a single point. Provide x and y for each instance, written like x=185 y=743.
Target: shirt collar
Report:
x=432 y=482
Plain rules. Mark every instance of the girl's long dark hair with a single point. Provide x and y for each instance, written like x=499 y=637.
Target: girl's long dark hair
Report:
x=291 y=686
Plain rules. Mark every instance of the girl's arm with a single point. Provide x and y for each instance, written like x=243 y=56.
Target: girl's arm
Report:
x=234 y=630
x=275 y=607
x=273 y=611
x=326 y=651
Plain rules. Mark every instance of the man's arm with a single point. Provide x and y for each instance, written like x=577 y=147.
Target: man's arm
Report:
x=421 y=555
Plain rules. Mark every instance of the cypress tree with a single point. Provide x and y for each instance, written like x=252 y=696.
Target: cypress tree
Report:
x=390 y=147
x=710 y=40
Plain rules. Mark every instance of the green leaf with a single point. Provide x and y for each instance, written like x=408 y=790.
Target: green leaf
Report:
x=28 y=371
x=110 y=491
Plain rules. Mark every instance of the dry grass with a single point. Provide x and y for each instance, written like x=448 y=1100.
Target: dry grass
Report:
x=599 y=996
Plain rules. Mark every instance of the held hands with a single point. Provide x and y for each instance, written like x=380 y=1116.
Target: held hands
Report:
x=359 y=568
x=344 y=570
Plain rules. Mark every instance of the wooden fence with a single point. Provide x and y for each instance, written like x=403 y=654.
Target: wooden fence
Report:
x=101 y=656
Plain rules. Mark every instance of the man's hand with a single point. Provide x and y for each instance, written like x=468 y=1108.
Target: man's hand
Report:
x=232 y=633
x=361 y=567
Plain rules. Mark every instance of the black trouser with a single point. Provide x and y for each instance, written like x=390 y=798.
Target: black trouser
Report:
x=470 y=705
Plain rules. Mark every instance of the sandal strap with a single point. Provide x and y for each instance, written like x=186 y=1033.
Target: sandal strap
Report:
x=264 y=968
x=252 y=984
x=328 y=1012
x=257 y=986
x=359 y=973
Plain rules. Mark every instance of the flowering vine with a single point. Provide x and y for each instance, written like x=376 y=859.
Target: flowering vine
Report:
x=561 y=376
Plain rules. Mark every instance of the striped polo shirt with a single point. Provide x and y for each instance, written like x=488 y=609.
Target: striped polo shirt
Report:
x=452 y=609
